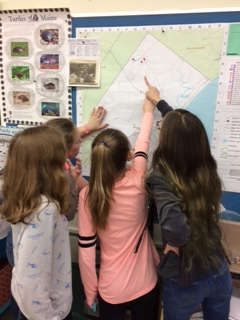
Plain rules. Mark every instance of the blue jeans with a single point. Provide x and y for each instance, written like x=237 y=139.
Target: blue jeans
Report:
x=213 y=292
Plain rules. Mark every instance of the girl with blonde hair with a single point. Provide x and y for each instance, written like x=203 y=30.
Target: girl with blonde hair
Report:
x=35 y=193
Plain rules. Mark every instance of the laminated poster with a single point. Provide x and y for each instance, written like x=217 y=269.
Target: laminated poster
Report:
x=34 y=66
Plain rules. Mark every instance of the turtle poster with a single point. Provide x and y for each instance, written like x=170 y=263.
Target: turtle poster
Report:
x=34 y=69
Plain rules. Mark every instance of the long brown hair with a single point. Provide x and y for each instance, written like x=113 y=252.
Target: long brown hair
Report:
x=184 y=158
x=34 y=167
x=66 y=128
x=109 y=155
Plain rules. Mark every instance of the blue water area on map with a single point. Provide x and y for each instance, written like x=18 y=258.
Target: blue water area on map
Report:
x=204 y=106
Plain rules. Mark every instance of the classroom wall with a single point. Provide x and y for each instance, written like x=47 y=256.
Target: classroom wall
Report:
x=89 y=7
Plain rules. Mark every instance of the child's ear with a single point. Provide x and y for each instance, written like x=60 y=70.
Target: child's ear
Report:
x=130 y=155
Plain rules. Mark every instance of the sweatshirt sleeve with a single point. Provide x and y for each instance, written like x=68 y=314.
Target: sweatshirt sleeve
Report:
x=172 y=220
x=87 y=251
x=163 y=107
x=33 y=266
x=173 y=224
x=142 y=143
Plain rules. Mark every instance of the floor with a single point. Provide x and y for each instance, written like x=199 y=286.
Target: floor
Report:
x=7 y=315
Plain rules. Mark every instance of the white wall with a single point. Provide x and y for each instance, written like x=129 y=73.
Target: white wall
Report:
x=92 y=7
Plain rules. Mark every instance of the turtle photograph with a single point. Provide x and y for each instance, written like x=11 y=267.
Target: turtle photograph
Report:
x=19 y=49
x=21 y=98
x=49 y=84
x=20 y=73
x=49 y=36
x=51 y=109
x=49 y=61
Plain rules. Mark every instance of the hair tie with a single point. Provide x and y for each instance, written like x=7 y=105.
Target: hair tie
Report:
x=104 y=143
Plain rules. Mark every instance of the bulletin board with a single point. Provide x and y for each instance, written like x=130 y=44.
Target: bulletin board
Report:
x=162 y=26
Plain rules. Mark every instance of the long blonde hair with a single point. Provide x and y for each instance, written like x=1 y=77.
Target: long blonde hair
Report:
x=109 y=155
x=34 y=167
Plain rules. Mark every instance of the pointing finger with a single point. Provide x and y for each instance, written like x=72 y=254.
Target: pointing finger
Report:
x=146 y=81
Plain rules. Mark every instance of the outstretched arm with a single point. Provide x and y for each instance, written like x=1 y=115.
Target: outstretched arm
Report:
x=153 y=95
x=142 y=144
x=94 y=122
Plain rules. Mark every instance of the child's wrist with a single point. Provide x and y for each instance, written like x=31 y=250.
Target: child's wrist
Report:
x=86 y=130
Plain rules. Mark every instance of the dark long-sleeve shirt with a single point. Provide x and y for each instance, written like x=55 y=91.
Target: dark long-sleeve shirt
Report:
x=174 y=224
x=163 y=107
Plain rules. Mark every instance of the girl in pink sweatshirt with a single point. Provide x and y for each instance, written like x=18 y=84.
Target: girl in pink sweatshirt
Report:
x=113 y=208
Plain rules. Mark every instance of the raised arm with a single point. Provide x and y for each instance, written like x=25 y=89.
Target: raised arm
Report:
x=142 y=144
x=153 y=95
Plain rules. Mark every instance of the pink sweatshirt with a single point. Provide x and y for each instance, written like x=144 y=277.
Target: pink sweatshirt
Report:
x=124 y=275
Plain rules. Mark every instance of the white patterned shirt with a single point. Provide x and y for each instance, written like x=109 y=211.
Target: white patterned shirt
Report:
x=42 y=276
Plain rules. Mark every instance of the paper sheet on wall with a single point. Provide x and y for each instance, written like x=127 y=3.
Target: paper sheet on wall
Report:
x=196 y=67
x=84 y=62
x=34 y=68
